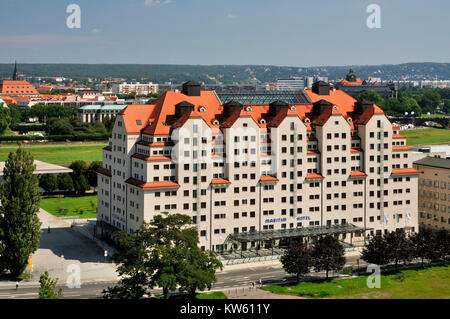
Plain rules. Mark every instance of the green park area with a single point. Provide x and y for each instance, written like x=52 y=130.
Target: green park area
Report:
x=428 y=283
x=426 y=136
x=81 y=206
x=62 y=154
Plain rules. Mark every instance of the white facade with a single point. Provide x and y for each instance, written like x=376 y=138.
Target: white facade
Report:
x=138 y=88
x=290 y=173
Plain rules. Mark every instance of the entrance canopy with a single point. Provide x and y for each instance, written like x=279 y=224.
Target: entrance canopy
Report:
x=293 y=232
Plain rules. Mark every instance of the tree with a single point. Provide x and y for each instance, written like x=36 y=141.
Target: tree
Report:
x=56 y=126
x=65 y=182
x=5 y=119
x=297 y=259
x=199 y=267
x=328 y=254
x=164 y=253
x=376 y=251
x=20 y=228
x=80 y=182
x=442 y=244
x=91 y=173
x=371 y=96
x=399 y=247
x=48 y=182
x=131 y=257
x=15 y=113
x=423 y=245
x=47 y=289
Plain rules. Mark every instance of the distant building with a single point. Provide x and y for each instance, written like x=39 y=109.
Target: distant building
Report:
x=138 y=88
x=291 y=84
x=15 y=87
x=98 y=112
x=434 y=192
x=353 y=86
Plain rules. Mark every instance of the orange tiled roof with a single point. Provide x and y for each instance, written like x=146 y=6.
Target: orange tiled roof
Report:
x=151 y=185
x=355 y=150
x=401 y=148
x=357 y=174
x=397 y=136
x=314 y=176
x=152 y=158
x=405 y=171
x=155 y=144
x=218 y=181
x=268 y=179
x=17 y=87
x=311 y=152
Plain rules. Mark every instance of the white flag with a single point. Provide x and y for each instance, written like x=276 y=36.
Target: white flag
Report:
x=386 y=219
x=408 y=217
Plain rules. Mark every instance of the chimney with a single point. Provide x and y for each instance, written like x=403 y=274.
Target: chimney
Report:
x=181 y=107
x=321 y=88
x=276 y=106
x=230 y=106
x=191 y=88
x=361 y=106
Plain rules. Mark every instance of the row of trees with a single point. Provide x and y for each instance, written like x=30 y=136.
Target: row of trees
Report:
x=327 y=254
x=417 y=100
x=80 y=180
x=163 y=253
x=396 y=247
x=59 y=120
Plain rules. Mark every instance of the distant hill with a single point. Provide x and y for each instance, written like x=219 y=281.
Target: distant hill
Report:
x=227 y=74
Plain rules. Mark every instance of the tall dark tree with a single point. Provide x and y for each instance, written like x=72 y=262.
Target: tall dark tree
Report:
x=328 y=254
x=423 y=245
x=297 y=259
x=80 y=182
x=48 y=182
x=20 y=228
x=442 y=243
x=376 y=251
x=399 y=247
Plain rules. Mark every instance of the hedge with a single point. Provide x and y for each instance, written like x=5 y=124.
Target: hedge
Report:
x=74 y=137
x=27 y=128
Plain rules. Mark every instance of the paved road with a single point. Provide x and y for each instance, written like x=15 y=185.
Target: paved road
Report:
x=235 y=282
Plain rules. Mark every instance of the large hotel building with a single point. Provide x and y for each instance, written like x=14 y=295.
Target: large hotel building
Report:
x=246 y=166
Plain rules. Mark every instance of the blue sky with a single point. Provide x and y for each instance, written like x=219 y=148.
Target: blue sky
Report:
x=275 y=32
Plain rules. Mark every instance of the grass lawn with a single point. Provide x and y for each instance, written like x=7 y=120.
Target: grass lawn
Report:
x=211 y=295
x=71 y=203
x=62 y=154
x=436 y=115
x=428 y=283
x=426 y=136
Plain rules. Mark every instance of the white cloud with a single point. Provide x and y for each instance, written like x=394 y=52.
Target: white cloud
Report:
x=96 y=30
x=231 y=16
x=155 y=2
